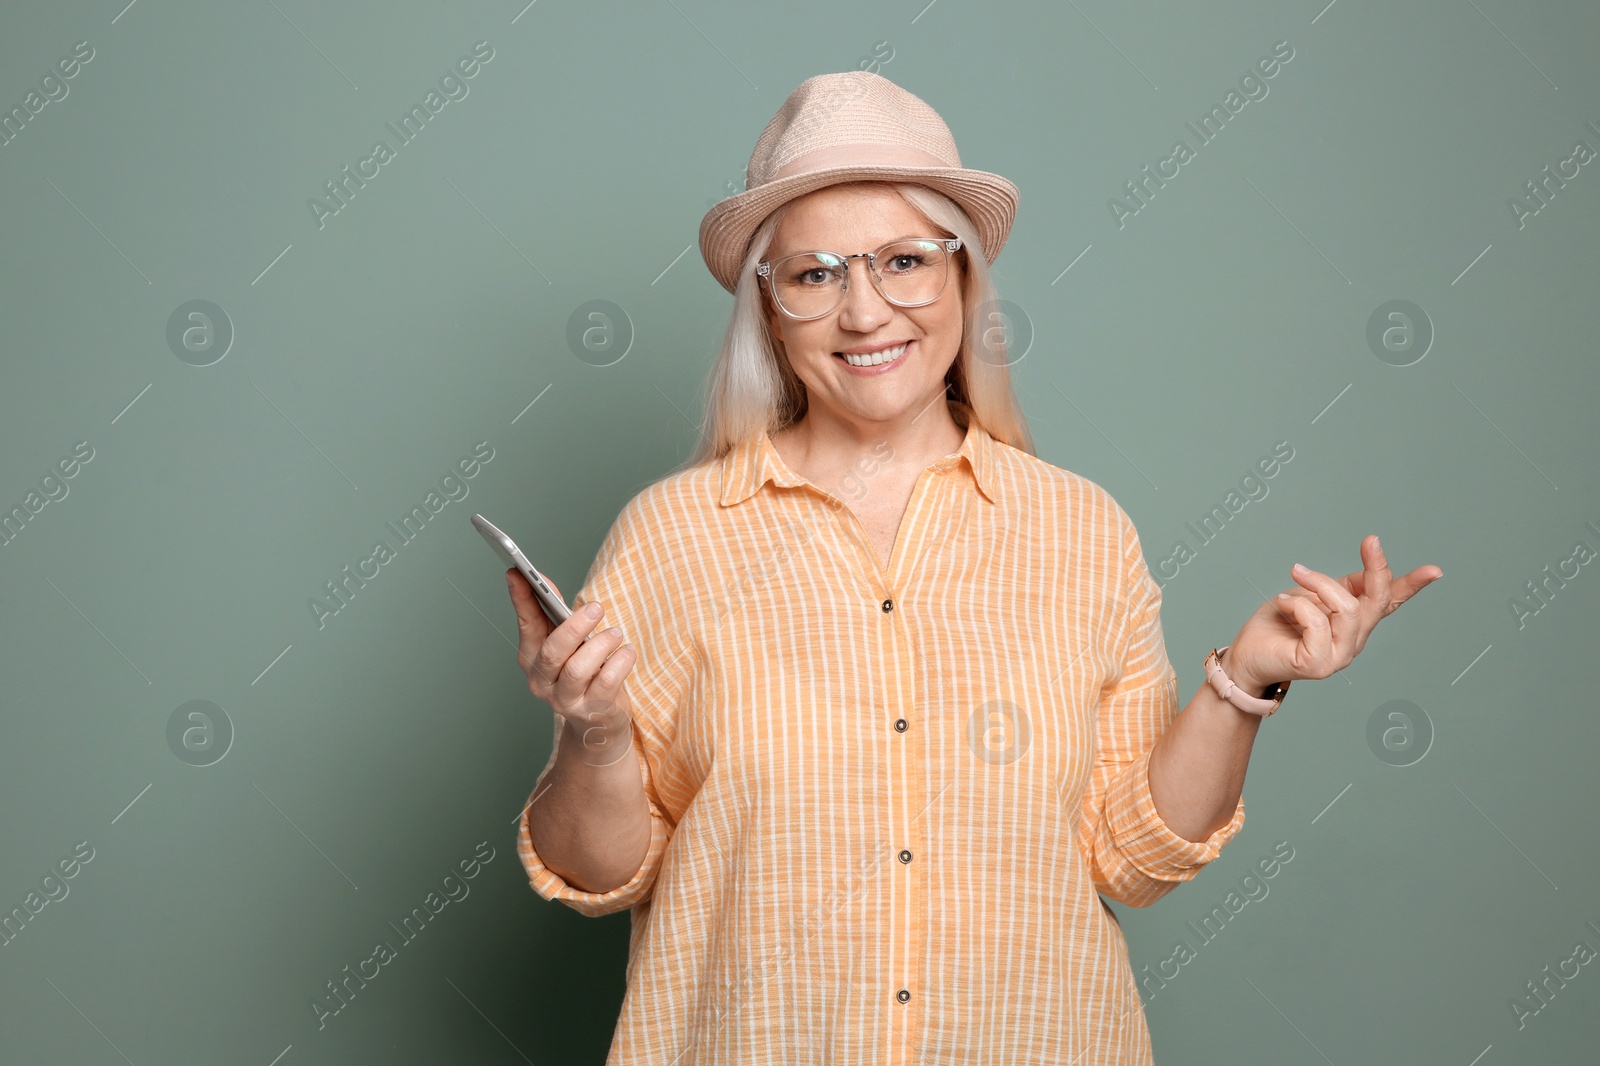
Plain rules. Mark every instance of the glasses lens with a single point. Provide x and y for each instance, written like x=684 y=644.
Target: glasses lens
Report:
x=808 y=284
x=912 y=272
x=811 y=284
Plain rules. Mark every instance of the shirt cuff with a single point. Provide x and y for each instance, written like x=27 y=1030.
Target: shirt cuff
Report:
x=547 y=883
x=1148 y=842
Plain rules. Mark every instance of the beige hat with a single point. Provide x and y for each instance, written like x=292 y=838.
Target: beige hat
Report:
x=851 y=126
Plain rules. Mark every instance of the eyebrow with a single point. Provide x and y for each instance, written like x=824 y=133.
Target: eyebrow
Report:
x=891 y=240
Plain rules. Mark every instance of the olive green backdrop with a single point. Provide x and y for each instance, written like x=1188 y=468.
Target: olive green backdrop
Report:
x=217 y=396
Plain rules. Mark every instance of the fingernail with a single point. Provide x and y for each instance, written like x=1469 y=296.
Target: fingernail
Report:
x=1376 y=543
x=591 y=610
x=1297 y=568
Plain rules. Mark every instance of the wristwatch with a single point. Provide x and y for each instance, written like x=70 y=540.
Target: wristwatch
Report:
x=1224 y=686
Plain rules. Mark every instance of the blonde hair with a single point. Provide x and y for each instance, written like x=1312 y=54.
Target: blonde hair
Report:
x=752 y=388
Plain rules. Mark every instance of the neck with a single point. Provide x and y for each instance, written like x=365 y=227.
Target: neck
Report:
x=822 y=444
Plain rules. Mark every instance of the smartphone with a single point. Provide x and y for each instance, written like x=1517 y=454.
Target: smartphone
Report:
x=555 y=608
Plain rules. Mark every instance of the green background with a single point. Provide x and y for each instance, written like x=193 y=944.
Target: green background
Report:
x=370 y=353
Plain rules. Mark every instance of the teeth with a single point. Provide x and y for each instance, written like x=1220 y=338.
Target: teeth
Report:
x=875 y=358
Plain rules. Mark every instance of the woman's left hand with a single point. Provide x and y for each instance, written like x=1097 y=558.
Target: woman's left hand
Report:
x=1316 y=630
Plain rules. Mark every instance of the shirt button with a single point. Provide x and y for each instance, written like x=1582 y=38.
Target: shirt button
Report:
x=905 y=856
x=904 y=995
x=900 y=725
x=888 y=605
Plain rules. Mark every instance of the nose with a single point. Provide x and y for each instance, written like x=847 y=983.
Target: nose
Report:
x=862 y=307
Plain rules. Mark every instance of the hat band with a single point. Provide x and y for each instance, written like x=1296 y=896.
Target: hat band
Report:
x=862 y=154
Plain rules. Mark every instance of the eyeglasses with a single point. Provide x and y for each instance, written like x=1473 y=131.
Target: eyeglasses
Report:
x=809 y=285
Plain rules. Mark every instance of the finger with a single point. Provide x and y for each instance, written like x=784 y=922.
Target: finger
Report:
x=1288 y=603
x=532 y=625
x=1376 y=578
x=606 y=684
x=1351 y=623
x=1344 y=610
x=1334 y=595
x=558 y=647
x=564 y=644
x=1375 y=585
x=577 y=677
x=521 y=595
x=1316 y=634
x=1410 y=584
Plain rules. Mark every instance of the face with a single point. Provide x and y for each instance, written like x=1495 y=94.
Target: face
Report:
x=847 y=220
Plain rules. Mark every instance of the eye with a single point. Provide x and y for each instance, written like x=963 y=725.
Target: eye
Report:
x=814 y=276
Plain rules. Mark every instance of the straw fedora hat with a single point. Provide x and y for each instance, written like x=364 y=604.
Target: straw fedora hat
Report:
x=851 y=126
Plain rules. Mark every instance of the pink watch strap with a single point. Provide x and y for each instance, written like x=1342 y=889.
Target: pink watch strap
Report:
x=1224 y=686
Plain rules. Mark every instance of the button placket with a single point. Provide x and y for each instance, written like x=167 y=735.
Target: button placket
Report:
x=905 y=775
x=925 y=522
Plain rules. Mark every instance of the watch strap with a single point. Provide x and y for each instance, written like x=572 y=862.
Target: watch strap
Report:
x=1225 y=687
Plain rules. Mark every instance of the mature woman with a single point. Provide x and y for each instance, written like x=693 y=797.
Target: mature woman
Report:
x=898 y=709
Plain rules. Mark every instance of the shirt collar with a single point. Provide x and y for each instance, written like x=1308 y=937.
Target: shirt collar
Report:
x=749 y=465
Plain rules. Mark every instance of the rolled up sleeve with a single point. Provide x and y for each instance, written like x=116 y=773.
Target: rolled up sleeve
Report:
x=547 y=883
x=1146 y=843
x=1133 y=856
x=632 y=576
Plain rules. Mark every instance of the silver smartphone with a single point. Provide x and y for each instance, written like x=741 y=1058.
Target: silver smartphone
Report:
x=555 y=608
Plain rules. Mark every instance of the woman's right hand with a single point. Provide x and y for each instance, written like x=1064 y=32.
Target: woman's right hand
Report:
x=580 y=679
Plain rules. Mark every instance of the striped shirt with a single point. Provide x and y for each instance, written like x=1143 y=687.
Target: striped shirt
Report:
x=884 y=799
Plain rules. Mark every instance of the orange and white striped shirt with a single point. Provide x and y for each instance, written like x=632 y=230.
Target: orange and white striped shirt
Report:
x=884 y=799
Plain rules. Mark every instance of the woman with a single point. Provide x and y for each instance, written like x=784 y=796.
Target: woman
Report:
x=903 y=709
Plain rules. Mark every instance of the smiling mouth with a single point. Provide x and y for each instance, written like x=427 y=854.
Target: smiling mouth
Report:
x=883 y=355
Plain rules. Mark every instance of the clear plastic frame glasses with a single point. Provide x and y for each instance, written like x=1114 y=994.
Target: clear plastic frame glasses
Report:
x=907 y=273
